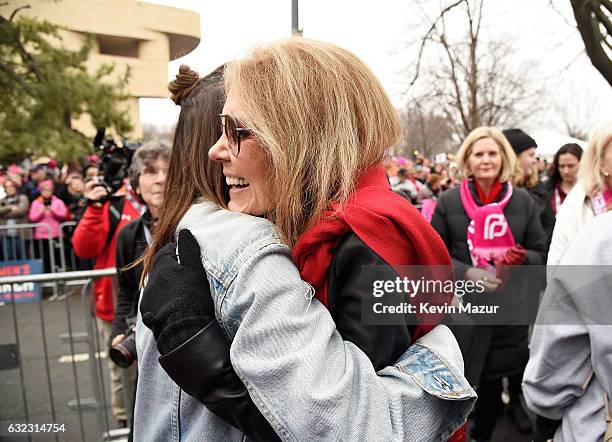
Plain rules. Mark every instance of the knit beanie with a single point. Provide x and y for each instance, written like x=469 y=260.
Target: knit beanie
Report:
x=519 y=140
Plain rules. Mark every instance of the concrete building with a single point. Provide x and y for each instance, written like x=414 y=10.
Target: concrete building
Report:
x=131 y=33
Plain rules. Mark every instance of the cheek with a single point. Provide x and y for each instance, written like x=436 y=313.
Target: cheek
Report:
x=144 y=186
x=608 y=160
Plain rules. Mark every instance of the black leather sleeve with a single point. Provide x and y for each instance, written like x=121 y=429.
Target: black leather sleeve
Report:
x=201 y=366
x=545 y=429
x=354 y=269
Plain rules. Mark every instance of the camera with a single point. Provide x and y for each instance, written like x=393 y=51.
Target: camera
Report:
x=124 y=353
x=115 y=161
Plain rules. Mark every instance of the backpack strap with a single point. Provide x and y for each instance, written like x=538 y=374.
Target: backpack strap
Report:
x=115 y=210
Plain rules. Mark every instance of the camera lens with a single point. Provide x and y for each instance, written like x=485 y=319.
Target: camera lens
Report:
x=124 y=353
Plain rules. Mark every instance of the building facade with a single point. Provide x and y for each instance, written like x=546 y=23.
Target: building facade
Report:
x=140 y=35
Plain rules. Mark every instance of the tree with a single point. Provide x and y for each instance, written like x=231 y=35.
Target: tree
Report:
x=426 y=131
x=45 y=86
x=153 y=132
x=473 y=82
x=576 y=119
x=594 y=22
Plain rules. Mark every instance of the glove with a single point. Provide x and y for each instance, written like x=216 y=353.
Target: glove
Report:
x=176 y=303
x=515 y=256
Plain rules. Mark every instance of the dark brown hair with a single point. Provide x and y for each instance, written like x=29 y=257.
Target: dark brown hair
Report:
x=574 y=149
x=191 y=173
x=433 y=179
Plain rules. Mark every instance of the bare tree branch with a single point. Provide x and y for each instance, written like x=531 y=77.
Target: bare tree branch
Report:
x=588 y=25
x=473 y=82
x=607 y=4
x=602 y=18
x=428 y=34
x=17 y=10
x=551 y=3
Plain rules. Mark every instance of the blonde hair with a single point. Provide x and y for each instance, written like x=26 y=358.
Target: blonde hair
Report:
x=589 y=174
x=321 y=116
x=521 y=179
x=507 y=153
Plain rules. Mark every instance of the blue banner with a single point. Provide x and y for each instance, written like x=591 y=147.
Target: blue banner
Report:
x=23 y=292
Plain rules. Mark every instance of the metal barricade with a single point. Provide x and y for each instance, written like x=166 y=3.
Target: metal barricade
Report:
x=69 y=260
x=18 y=242
x=36 y=390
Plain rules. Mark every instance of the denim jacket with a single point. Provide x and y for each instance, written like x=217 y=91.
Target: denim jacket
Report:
x=307 y=381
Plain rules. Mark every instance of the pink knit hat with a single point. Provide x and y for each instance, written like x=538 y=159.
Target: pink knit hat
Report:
x=45 y=183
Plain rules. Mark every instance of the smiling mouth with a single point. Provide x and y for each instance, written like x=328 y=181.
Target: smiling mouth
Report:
x=236 y=183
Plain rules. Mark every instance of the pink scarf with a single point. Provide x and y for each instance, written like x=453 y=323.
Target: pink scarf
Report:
x=488 y=234
x=599 y=202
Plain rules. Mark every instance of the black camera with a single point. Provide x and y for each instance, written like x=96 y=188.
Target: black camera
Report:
x=124 y=353
x=115 y=161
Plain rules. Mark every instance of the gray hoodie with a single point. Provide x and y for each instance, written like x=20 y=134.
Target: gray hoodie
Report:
x=572 y=339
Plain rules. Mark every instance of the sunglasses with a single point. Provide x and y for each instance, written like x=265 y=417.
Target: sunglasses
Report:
x=233 y=132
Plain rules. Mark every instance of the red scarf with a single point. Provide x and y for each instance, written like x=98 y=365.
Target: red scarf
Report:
x=386 y=223
x=491 y=197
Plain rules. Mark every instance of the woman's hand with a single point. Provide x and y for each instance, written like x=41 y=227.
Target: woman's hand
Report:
x=176 y=303
x=489 y=281
x=117 y=339
x=94 y=191
x=515 y=256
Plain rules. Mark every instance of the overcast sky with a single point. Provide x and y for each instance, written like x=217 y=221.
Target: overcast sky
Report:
x=378 y=31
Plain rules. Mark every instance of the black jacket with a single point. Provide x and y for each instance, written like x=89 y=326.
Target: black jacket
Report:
x=216 y=385
x=498 y=350
x=131 y=244
x=542 y=195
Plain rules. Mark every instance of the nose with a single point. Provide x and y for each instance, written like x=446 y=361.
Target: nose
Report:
x=219 y=151
x=160 y=178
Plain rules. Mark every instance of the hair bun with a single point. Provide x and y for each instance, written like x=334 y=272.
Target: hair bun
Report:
x=183 y=84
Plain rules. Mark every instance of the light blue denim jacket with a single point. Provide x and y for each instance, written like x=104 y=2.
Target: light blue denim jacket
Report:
x=307 y=381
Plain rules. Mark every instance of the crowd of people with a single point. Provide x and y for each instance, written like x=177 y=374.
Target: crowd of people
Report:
x=259 y=233
x=45 y=195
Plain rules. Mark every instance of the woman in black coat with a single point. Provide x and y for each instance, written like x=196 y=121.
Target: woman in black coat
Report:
x=527 y=176
x=147 y=176
x=479 y=251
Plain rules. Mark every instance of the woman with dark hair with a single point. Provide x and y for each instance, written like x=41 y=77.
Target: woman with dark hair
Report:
x=564 y=173
x=302 y=149
x=589 y=198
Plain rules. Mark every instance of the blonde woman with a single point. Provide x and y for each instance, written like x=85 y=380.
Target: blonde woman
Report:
x=527 y=176
x=312 y=223
x=590 y=197
x=480 y=253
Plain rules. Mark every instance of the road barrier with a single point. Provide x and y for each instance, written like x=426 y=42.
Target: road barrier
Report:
x=34 y=397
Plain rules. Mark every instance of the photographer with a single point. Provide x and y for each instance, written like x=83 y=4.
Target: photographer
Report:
x=47 y=209
x=147 y=177
x=108 y=210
